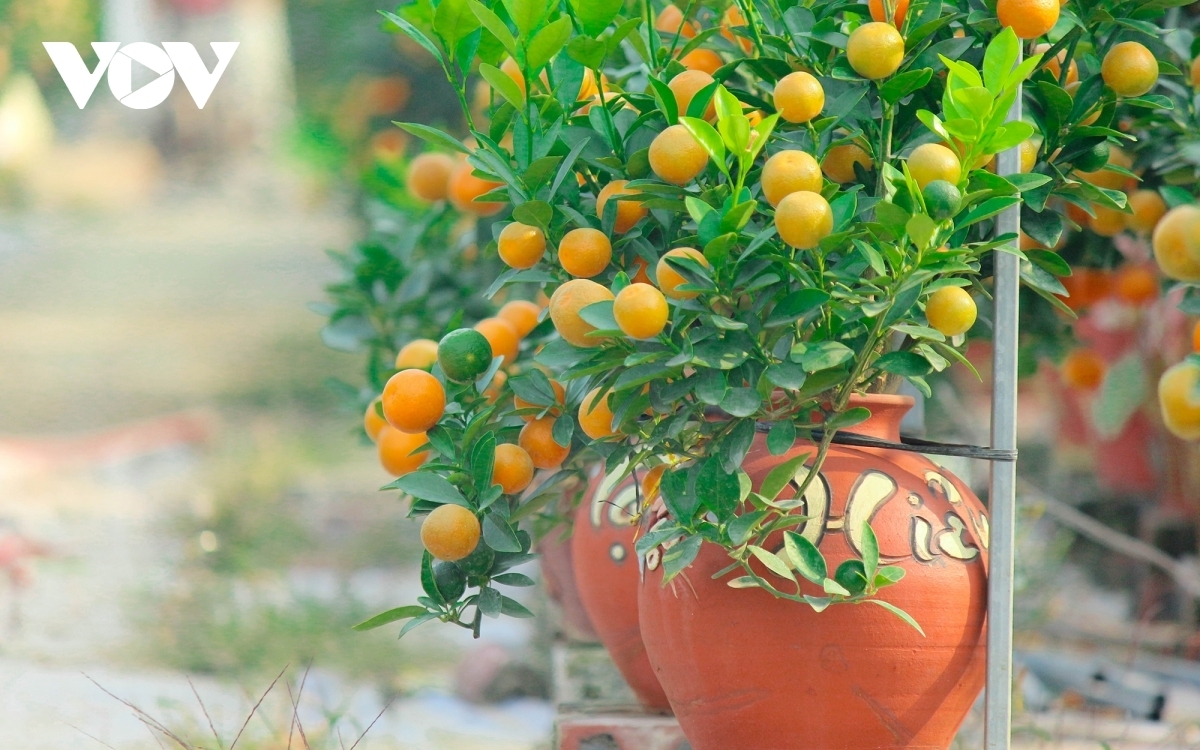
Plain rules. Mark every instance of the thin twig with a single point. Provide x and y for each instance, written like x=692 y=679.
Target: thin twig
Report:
x=256 y=705
x=296 y=719
x=141 y=715
x=85 y=734
x=377 y=718
x=1129 y=546
x=206 y=716
x=154 y=733
x=296 y=705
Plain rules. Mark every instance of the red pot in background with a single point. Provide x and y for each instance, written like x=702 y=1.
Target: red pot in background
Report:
x=558 y=572
x=1124 y=463
x=745 y=670
x=606 y=571
x=199 y=7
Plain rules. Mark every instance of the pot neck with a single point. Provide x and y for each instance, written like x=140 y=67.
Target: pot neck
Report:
x=887 y=411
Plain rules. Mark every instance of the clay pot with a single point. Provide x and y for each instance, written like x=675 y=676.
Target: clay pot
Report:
x=745 y=670
x=606 y=571
x=558 y=573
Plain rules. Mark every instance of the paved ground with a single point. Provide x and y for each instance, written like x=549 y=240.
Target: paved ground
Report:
x=106 y=318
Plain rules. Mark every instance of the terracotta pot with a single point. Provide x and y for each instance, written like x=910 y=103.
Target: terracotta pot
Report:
x=745 y=670
x=558 y=573
x=606 y=572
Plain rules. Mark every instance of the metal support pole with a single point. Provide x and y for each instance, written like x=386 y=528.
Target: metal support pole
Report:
x=1002 y=497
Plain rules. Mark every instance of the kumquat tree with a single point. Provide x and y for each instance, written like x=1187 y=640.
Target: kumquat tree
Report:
x=744 y=215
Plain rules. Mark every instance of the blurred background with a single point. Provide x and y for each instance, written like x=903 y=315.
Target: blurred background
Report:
x=186 y=506
x=180 y=493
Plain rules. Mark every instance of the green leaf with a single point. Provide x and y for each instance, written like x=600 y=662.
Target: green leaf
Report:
x=547 y=42
x=976 y=100
x=492 y=23
x=734 y=130
x=887 y=575
x=1050 y=261
x=903 y=363
x=718 y=249
x=392 y=615
x=787 y=375
x=738 y=216
x=1175 y=196
x=416 y=621
x=428 y=582
x=667 y=104
x=614 y=39
x=678 y=496
x=499 y=535
x=562 y=431
x=870 y=551
x=567 y=165
x=527 y=14
x=587 y=52
x=739 y=528
x=805 y=557
x=920 y=229
x=764 y=130
x=538 y=213
x=534 y=387
x=891 y=216
x=825 y=355
x=1121 y=395
x=697 y=209
x=537 y=174
x=1026 y=182
x=999 y=59
x=781 y=437
x=513 y=608
x=1009 y=136
x=833 y=587
x=707 y=137
x=1038 y=278
x=425 y=485
x=698 y=107
x=711 y=386
x=796 y=305
x=849 y=418
x=489 y=602
x=483 y=459
x=454 y=20
x=504 y=85
x=595 y=15
x=818 y=603
x=600 y=315
x=415 y=34
x=904 y=84
x=741 y=402
x=718 y=490
x=919 y=332
x=773 y=563
x=432 y=135
x=680 y=556
x=986 y=210
x=744 y=582
x=664 y=533
x=513 y=579
x=962 y=71
x=899 y=613
x=781 y=475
